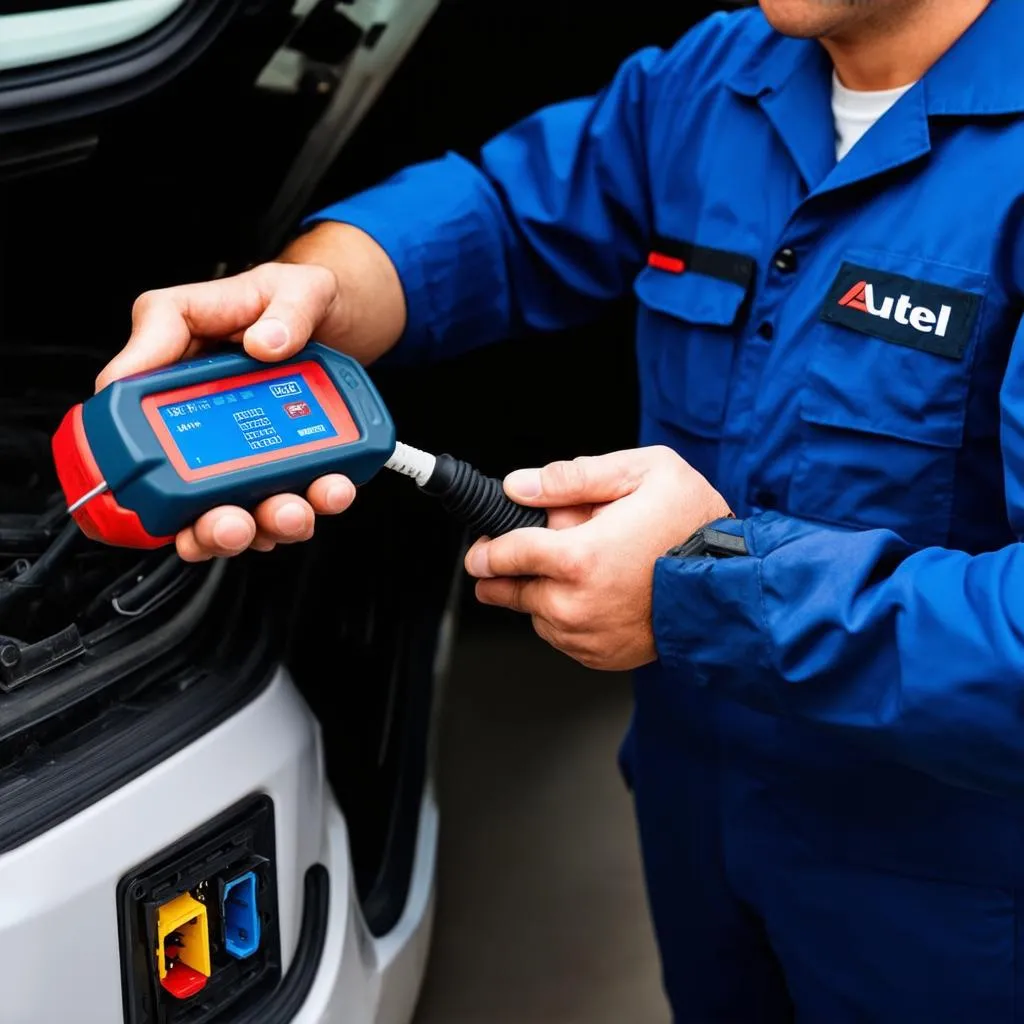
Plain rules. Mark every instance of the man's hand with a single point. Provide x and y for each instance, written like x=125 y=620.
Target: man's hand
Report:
x=335 y=282
x=587 y=579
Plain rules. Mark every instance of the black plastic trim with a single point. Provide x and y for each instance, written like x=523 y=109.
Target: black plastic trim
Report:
x=90 y=84
x=116 y=650
x=283 y=1006
x=385 y=901
x=150 y=700
x=241 y=838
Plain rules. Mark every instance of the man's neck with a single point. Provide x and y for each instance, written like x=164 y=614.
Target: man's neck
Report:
x=898 y=46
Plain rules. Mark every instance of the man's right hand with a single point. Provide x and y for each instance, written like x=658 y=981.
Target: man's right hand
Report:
x=323 y=284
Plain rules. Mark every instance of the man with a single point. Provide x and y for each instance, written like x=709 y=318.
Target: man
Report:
x=819 y=206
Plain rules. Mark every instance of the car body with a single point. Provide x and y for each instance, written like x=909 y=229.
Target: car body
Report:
x=149 y=708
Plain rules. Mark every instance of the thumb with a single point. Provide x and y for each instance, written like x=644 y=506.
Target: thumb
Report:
x=297 y=303
x=273 y=309
x=588 y=480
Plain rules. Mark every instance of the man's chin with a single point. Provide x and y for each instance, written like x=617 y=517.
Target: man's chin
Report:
x=806 y=19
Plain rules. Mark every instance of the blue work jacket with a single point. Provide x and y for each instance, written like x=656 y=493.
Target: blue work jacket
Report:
x=834 y=345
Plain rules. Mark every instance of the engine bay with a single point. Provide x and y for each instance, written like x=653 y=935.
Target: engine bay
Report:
x=59 y=592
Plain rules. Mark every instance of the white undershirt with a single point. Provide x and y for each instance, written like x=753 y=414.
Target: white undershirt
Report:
x=855 y=112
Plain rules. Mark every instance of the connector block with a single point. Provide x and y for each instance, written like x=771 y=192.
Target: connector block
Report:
x=241 y=917
x=198 y=921
x=183 y=946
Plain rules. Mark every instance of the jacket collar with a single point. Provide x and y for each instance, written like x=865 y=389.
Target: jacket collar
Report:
x=982 y=74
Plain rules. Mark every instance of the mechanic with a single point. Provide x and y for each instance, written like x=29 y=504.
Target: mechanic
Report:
x=818 y=204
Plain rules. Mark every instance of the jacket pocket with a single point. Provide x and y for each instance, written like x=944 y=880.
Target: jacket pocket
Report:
x=882 y=422
x=686 y=340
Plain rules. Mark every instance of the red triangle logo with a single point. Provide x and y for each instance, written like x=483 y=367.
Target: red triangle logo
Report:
x=855 y=297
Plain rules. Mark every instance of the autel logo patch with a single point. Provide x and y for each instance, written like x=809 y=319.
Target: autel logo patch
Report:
x=905 y=311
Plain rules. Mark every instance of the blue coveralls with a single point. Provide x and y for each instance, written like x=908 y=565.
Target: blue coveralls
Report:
x=828 y=759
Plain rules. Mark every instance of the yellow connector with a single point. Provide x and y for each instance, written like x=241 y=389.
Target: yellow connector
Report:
x=182 y=940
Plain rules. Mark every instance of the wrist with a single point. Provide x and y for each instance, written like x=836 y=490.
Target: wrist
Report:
x=368 y=314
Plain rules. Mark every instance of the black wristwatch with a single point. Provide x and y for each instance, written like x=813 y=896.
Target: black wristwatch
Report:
x=711 y=542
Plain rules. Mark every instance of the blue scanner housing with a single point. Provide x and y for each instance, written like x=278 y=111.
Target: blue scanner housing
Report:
x=153 y=461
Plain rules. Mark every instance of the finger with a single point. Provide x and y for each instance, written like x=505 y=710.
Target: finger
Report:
x=331 y=494
x=565 y=643
x=296 y=300
x=547 y=632
x=165 y=322
x=285 y=519
x=518 y=595
x=188 y=547
x=574 y=515
x=195 y=346
x=262 y=542
x=227 y=530
x=532 y=551
x=588 y=480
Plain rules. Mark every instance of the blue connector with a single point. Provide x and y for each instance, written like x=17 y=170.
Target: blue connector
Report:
x=241 y=916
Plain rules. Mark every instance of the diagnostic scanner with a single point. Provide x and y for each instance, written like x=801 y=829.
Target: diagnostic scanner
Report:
x=149 y=454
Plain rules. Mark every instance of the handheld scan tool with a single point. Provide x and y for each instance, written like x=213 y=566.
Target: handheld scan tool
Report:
x=149 y=454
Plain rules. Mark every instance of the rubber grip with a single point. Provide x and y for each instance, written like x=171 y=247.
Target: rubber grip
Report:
x=479 y=501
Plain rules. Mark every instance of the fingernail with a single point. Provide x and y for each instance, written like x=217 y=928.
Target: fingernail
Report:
x=524 y=482
x=337 y=497
x=290 y=519
x=479 y=564
x=232 y=533
x=270 y=333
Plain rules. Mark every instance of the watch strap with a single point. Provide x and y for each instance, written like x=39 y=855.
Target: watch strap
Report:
x=711 y=542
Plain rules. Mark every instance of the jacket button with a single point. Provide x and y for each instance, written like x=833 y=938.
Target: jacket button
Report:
x=766 y=331
x=785 y=261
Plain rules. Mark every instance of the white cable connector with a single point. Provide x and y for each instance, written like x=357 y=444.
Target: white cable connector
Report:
x=412 y=462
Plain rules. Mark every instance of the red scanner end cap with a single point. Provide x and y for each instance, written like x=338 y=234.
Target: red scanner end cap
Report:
x=101 y=518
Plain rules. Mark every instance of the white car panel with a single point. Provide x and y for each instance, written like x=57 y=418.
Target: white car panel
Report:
x=58 y=912
x=37 y=37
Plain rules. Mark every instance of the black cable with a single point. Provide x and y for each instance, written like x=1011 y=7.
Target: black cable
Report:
x=50 y=560
x=54 y=514
x=479 y=501
x=152 y=587
x=41 y=569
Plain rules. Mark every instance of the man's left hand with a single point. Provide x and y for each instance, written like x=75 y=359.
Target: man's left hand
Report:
x=586 y=581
